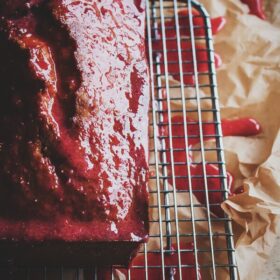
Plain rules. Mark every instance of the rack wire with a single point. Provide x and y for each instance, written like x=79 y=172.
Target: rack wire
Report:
x=177 y=216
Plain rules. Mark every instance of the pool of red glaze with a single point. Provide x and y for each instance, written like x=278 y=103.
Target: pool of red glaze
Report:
x=186 y=45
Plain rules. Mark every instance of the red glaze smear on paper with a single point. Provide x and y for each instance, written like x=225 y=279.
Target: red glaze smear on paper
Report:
x=186 y=46
x=236 y=127
x=256 y=7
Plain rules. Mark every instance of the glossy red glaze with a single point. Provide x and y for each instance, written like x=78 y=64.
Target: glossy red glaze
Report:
x=186 y=46
x=74 y=121
x=235 y=127
x=256 y=7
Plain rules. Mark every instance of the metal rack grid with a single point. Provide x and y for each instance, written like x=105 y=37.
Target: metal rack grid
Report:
x=162 y=97
x=167 y=205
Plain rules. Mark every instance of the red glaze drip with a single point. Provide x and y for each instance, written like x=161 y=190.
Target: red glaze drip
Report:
x=218 y=60
x=256 y=7
x=187 y=56
x=241 y=127
x=218 y=24
x=236 y=127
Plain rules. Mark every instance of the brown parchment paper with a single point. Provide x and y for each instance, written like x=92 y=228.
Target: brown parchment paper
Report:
x=249 y=85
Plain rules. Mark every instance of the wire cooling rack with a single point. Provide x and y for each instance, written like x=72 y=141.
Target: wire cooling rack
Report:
x=167 y=103
x=173 y=219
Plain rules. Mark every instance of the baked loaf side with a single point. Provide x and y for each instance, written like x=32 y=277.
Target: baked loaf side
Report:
x=73 y=128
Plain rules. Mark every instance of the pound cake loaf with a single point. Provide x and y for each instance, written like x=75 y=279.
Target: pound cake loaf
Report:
x=73 y=131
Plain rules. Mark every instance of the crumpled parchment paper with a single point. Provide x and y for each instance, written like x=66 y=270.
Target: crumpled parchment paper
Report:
x=249 y=85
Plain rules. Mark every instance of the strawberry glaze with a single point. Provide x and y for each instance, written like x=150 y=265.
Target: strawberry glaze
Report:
x=74 y=120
